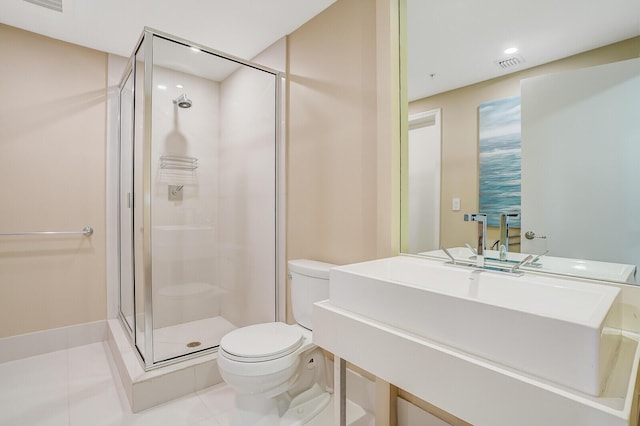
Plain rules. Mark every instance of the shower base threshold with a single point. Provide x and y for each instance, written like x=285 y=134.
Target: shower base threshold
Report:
x=177 y=340
x=146 y=389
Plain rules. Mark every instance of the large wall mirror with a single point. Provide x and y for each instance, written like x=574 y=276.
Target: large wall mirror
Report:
x=545 y=139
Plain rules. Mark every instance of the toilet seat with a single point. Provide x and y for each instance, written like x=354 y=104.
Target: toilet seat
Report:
x=261 y=342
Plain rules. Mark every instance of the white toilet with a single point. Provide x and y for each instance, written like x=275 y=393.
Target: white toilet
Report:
x=278 y=374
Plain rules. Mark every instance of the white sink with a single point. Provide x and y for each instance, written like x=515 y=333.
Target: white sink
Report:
x=608 y=271
x=557 y=329
x=593 y=269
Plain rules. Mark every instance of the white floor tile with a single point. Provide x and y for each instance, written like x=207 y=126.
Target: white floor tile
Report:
x=34 y=391
x=97 y=404
x=185 y=411
x=210 y=421
x=80 y=387
x=356 y=416
x=89 y=361
x=219 y=398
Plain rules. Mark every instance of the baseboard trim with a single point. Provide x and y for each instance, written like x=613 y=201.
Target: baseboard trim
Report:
x=56 y=339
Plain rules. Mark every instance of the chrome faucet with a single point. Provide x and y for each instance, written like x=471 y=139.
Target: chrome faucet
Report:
x=481 y=218
x=505 y=222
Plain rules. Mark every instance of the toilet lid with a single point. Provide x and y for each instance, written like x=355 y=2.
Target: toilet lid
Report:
x=262 y=342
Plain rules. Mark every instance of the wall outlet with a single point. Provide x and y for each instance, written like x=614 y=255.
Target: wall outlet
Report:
x=455 y=204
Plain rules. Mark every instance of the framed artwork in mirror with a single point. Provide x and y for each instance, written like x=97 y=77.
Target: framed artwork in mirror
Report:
x=499 y=137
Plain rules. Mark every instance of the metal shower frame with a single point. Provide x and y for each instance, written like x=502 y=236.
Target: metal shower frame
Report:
x=146 y=43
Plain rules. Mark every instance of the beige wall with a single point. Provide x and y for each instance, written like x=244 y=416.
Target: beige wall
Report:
x=333 y=159
x=343 y=141
x=52 y=155
x=460 y=131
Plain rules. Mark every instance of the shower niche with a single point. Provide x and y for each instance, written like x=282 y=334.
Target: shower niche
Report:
x=197 y=197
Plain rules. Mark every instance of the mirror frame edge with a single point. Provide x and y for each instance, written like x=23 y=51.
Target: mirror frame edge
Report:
x=404 y=126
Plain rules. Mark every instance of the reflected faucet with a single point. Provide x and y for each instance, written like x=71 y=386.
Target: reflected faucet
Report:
x=505 y=223
x=523 y=262
x=534 y=261
x=481 y=218
x=473 y=251
x=453 y=259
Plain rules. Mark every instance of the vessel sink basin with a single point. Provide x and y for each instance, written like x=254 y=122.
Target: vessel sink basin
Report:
x=558 y=329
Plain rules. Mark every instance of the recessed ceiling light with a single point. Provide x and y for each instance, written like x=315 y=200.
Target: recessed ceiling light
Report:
x=161 y=87
x=179 y=86
x=511 y=50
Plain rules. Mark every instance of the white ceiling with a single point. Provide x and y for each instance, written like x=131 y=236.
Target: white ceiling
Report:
x=455 y=40
x=242 y=28
x=459 y=40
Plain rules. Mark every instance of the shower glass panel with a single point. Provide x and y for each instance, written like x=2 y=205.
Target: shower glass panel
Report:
x=204 y=197
x=125 y=219
x=140 y=208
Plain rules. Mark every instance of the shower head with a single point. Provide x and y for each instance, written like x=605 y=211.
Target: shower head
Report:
x=182 y=101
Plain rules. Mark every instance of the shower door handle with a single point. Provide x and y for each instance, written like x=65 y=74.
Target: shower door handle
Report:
x=130 y=199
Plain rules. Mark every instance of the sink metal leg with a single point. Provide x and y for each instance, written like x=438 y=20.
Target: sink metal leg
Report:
x=340 y=391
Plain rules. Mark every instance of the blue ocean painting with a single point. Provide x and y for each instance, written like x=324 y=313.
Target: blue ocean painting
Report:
x=499 y=158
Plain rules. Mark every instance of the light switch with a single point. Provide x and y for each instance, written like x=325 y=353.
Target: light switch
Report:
x=455 y=204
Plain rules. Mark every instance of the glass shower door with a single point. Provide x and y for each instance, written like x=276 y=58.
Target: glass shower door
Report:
x=212 y=197
x=199 y=143
x=125 y=217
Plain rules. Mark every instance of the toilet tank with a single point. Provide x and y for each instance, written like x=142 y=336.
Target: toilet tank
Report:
x=309 y=284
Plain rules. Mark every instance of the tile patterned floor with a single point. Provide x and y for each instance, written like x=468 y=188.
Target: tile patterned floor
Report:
x=80 y=387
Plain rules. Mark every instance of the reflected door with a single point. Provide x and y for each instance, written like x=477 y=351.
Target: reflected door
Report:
x=580 y=163
x=424 y=182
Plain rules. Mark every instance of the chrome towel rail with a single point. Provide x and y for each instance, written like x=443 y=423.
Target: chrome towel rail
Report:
x=87 y=231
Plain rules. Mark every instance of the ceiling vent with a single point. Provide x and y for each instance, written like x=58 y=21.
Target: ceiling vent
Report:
x=49 y=4
x=510 y=62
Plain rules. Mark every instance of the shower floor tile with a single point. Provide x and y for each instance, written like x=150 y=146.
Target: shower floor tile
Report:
x=80 y=386
x=172 y=341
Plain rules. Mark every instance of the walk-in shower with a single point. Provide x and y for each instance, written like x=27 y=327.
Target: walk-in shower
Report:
x=198 y=189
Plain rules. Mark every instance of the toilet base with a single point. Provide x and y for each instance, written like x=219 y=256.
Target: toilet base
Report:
x=305 y=407
x=260 y=411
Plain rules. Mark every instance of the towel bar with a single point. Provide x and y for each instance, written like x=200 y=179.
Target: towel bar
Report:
x=87 y=231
